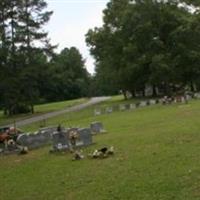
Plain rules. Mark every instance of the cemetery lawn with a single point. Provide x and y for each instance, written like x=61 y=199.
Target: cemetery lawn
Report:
x=41 y=109
x=157 y=158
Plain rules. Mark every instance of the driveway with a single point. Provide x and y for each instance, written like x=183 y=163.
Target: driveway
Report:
x=92 y=101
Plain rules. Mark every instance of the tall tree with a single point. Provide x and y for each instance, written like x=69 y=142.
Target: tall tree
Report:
x=21 y=27
x=70 y=75
x=145 y=42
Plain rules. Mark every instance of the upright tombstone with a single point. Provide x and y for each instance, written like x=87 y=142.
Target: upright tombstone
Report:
x=152 y=102
x=60 y=141
x=97 y=112
x=143 y=103
x=127 y=106
x=122 y=107
x=197 y=95
x=47 y=136
x=97 y=127
x=85 y=136
x=109 y=110
x=132 y=106
x=188 y=97
x=34 y=141
x=28 y=140
x=22 y=140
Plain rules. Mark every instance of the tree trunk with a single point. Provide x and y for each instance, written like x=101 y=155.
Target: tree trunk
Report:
x=143 y=92
x=32 y=108
x=124 y=93
x=192 y=86
x=132 y=93
x=154 y=91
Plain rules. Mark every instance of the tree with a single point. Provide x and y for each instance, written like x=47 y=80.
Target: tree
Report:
x=70 y=77
x=146 y=42
x=21 y=26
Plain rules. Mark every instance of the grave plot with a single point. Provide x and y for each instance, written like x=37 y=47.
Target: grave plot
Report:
x=97 y=112
x=109 y=110
x=132 y=106
x=122 y=107
x=143 y=104
x=60 y=141
x=97 y=127
x=152 y=102
x=72 y=138
x=33 y=141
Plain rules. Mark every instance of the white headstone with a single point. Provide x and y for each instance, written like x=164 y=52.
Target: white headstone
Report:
x=143 y=103
x=122 y=107
x=152 y=102
x=132 y=106
x=97 y=112
x=109 y=110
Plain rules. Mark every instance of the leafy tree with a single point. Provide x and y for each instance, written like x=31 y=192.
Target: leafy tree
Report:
x=21 y=26
x=70 y=75
x=146 y=42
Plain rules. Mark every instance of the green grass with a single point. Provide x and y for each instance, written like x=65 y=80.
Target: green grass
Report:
x=74 y=119
x=157 y=158
x=41 y=109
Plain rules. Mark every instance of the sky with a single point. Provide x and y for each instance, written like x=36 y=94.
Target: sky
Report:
x=70 y=22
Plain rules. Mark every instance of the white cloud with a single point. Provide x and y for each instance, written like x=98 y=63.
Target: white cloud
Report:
x=70 y=23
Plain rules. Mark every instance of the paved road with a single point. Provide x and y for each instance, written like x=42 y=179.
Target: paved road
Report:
x=31 y=120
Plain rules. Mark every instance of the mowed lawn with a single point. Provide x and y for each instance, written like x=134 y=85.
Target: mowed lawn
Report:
x=157 y=158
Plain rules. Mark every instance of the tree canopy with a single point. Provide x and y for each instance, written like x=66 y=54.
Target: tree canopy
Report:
x=148 y=42
x=30 y=70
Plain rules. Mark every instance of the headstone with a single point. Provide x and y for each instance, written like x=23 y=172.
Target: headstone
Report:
x=137 y=104
x=188 y=97
x=22 y=140
x=122 y=107
x=143 y=103
x=152 y=102
x=42 y=139
x=127 y=106
x=33 y=141
x=85 y=136
x=109 y=110
x=97 y=127
x=60 y=141
x=197 y=95
x=132 y=106
x=97 y=112
x=47 y=135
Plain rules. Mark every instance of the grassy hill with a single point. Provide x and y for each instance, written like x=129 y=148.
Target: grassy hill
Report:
x=41 y=109
x=157 y=157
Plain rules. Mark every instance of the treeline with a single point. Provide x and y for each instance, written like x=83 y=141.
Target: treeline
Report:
x=141 y=44
x=147 y=43
x=30 y=71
